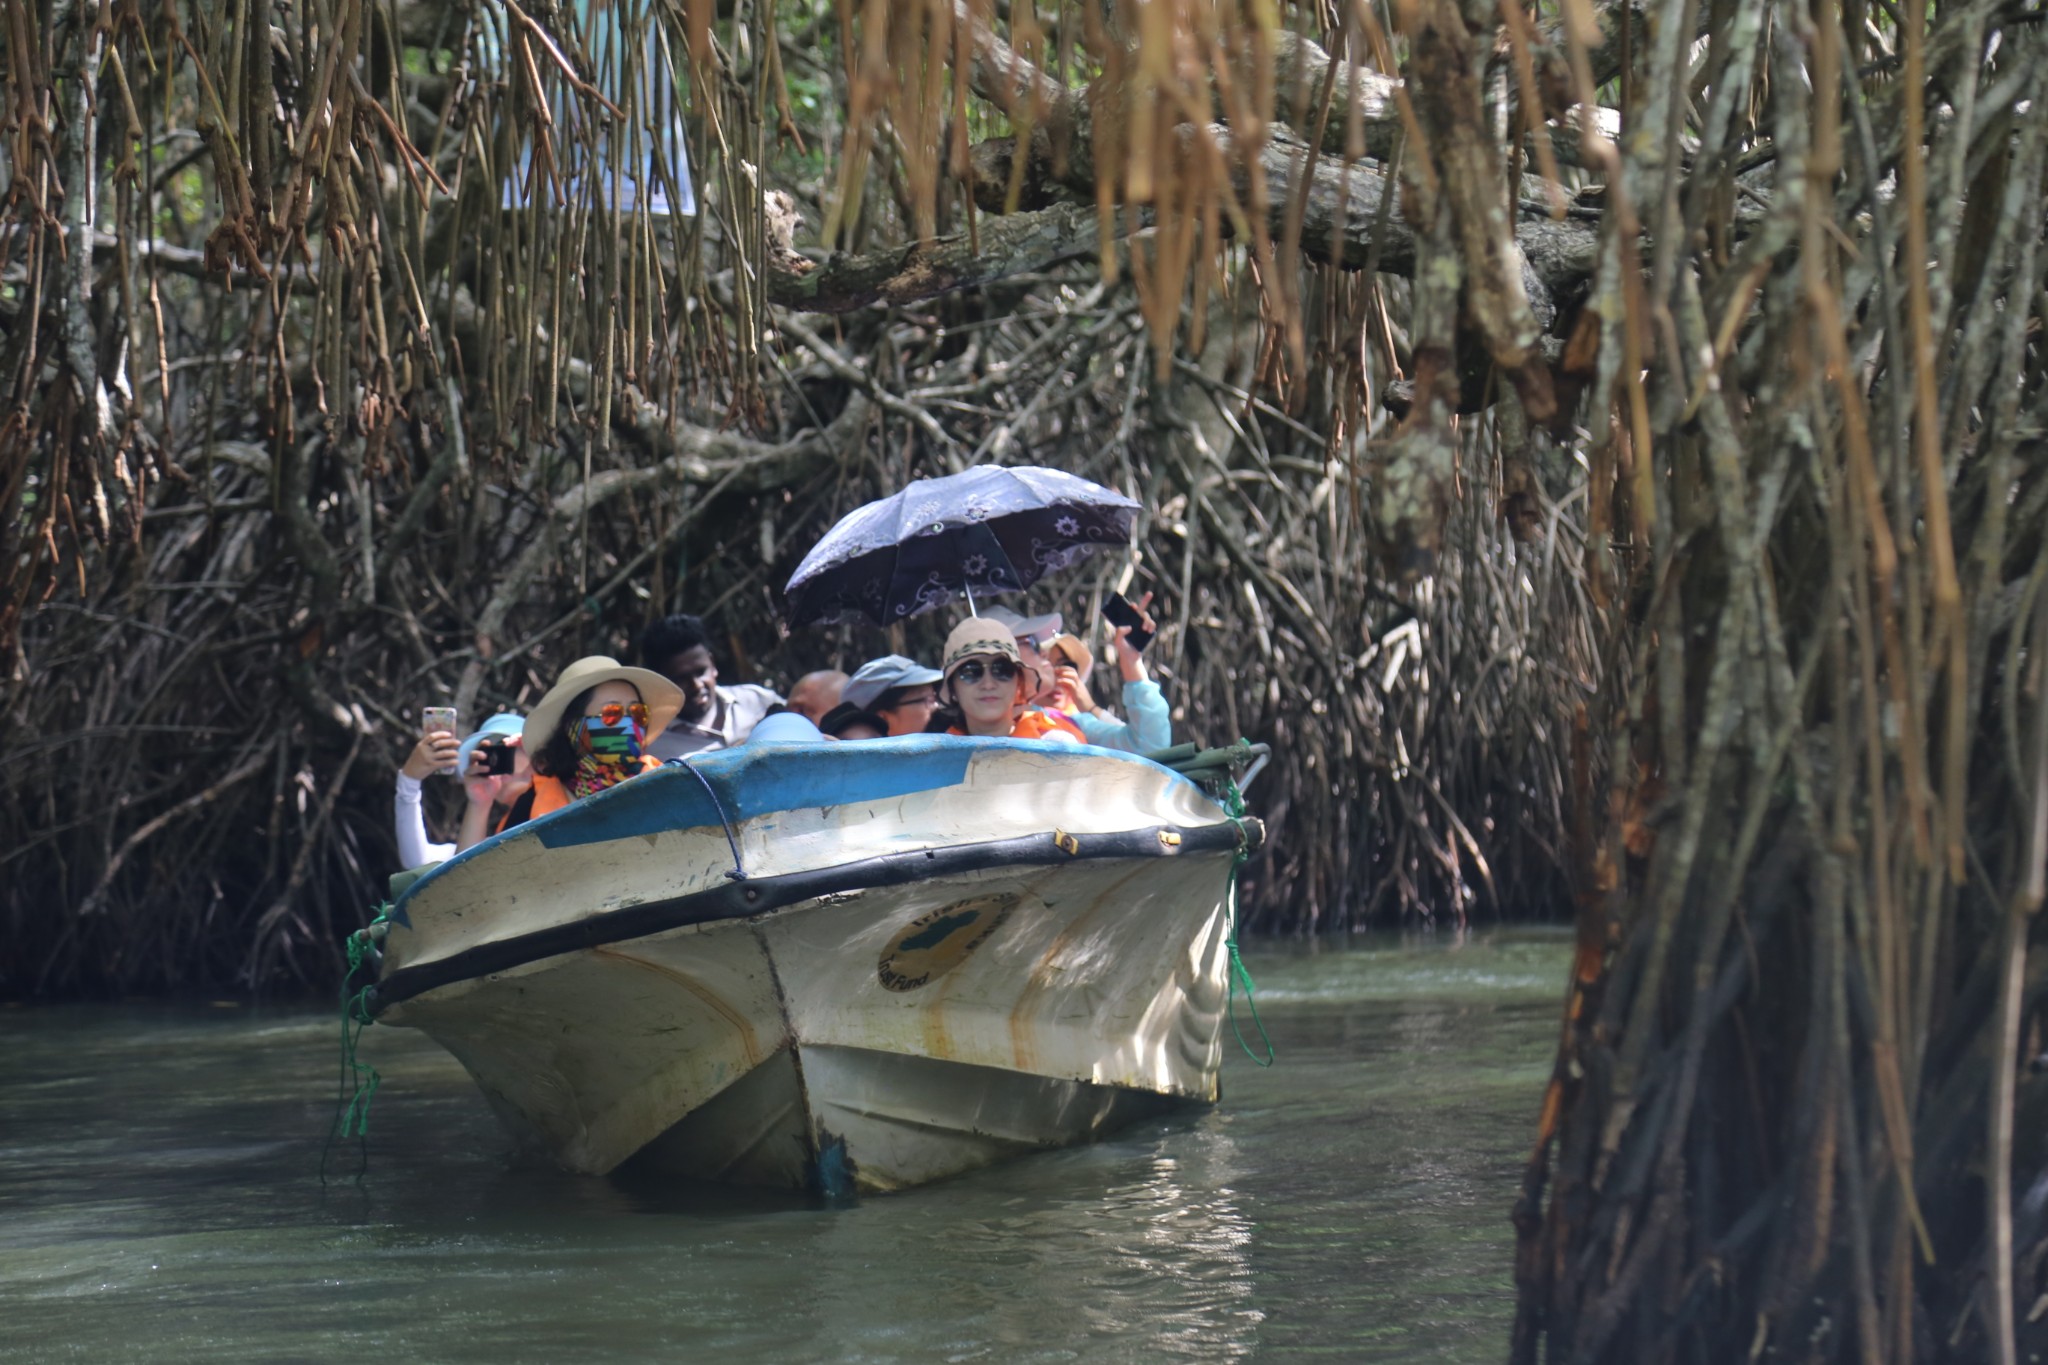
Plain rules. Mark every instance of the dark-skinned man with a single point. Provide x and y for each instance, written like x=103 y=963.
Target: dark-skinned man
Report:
x=713 y=717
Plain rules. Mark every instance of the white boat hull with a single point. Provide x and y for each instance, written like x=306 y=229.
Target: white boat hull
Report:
x=879 y=1002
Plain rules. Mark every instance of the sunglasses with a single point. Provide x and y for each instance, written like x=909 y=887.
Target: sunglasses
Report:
x=611 y=713
x=1002 y=670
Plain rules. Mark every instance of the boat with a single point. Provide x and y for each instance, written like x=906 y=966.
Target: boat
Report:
x=844 y=968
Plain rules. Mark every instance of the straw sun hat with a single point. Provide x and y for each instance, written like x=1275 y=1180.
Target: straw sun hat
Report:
x=664 y=699
x=1078 y=654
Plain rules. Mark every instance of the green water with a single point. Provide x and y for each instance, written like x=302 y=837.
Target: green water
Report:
x=159 y=1201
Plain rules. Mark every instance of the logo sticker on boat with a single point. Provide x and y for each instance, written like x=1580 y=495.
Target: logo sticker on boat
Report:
x=939 y=940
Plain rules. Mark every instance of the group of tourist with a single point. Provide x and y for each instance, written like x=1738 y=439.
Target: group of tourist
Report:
x=1000 y=675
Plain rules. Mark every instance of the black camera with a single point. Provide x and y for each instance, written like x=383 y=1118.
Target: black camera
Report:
x=497 y=756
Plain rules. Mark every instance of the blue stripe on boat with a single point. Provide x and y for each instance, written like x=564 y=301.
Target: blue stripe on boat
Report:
x=760 y=779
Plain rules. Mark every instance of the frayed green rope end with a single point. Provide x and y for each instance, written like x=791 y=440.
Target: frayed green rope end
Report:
x=359 y=1080
x=1233 y=803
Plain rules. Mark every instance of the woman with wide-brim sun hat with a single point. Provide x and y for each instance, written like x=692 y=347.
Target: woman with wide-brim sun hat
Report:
x=592 y=731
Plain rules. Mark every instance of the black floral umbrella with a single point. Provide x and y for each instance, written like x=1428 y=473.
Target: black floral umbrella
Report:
x=986 y=530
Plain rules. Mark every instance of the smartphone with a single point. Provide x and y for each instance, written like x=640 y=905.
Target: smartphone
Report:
x=497 y=757
x=434 y=718
x=1118 y=611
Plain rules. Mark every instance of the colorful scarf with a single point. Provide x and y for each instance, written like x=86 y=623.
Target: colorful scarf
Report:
x=606 y=755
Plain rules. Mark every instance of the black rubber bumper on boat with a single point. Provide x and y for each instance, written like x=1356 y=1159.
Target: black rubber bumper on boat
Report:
x=753 y=896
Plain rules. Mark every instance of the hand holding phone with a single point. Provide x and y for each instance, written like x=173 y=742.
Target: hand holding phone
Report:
x=1118 y=611
x=432 y=754
x=433 y=718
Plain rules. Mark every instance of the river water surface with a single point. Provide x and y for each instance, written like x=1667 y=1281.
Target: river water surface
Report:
x=160 y=1200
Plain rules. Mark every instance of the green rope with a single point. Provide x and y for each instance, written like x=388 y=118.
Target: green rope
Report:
x=352 y=1106
x=1233 y=805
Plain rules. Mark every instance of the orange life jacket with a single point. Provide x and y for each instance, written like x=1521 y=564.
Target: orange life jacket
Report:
x=552 y=793
x=1037 y=723
x=549 y=794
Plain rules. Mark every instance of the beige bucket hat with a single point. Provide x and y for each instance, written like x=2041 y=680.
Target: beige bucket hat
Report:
x=979 y=635
x=664 y=699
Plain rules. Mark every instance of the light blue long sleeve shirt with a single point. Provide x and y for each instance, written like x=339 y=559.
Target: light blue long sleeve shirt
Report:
x=1150 y=726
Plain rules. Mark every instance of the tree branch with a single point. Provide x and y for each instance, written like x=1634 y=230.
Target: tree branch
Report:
x=864 y=381
x=1468 y=181
x=687 y=454
x=1301 y=66
x=1340 y=215
x=1009 y=245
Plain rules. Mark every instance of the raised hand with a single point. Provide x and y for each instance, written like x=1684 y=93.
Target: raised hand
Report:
x=1130 y=660
x=1070 y=694
x=485 y=789
x=435 y=751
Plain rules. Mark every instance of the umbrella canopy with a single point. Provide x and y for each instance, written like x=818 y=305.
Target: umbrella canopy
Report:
x=986 y=530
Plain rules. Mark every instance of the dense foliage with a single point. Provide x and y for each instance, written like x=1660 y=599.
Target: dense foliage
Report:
x=1597 y=448
x=370 y=394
